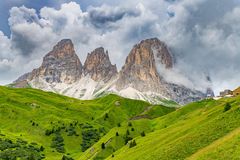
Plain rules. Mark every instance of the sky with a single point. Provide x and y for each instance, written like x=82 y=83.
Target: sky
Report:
x=202 y=35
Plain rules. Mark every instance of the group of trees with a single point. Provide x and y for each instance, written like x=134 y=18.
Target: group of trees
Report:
x=58 y=142
x=89 y=137
x=20 y=150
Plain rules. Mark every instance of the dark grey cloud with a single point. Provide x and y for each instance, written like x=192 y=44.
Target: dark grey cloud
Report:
x=22 y=44
x=102 y=17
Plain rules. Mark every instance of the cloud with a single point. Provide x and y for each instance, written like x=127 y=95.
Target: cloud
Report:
x=102 y=17
x=202 y=35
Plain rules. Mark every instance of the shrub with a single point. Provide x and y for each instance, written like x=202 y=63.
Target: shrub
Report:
x=57 y=143
x=129 y=124
x=227 y=107
x=71 y=131
x=132 y=144
x=127 y=132
x=103 y=145
x=117 y=134
x=119 y=124
x=66 y=158
x=48 y=132
x=89 y=137
x=143 y=134
x=19 y=149
x=42 y=148
x=127 y=138
x=132 y=129
x=106 y=115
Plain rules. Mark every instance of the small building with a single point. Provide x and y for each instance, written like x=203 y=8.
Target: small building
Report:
x=226 y=93
x=236 y=92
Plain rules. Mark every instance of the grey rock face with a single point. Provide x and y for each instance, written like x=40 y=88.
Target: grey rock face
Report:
x=98 y=66
x=59 y=65
x=140 y=72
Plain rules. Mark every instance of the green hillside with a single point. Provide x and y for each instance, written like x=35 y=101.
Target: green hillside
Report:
x=204 y=130
x=37 y=125
x=63 y=125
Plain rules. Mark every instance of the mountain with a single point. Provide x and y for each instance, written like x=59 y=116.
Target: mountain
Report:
x=35 y=125
x=99 y=67
x=61 y=65
x=139 y=78
x=141 y=72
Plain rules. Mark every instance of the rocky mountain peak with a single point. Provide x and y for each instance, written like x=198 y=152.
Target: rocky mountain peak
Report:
x=140 y=65
x=99 y=66
x=139 y=77
x=61 y=65
x=63 y=48
x=159 y=49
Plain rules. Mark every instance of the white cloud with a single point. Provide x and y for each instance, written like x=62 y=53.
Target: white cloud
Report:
x=203 y=35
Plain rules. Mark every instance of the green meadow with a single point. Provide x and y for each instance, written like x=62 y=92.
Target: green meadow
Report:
x=42 y=125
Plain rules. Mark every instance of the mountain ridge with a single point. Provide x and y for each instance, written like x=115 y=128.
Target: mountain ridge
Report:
x=63 y=72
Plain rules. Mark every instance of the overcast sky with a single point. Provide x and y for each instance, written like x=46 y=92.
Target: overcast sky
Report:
x=203 y=35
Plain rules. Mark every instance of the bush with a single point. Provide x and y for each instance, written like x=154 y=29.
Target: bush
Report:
x=119 y=124
x=48 y=132
x=127 y=138
x=42 y=148
x=132 y=144
x=103 y=145
x=129 y=124
x=117 y=134
x=143 y=134
x=66 y=158
x=127 y=132
x=19 y=149
x=227 y=107
x=106 y=116
x=57 y=143
x=132 y=129
x=89 y=137
x=71 y=131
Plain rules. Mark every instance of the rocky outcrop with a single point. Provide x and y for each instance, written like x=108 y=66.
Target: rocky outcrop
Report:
x=61 y=65
x=62 y=72
x=140 y=71
x=98 y=66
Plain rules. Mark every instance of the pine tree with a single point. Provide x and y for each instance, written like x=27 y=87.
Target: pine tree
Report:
x=132 y=144
x=143 y=134
x=103 y=145
x=129 y=124
x=227 y=107
x=127 y=132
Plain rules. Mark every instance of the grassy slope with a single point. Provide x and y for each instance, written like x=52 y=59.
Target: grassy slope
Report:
x=187 y=131
x=19 y=108
x=201 y=130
